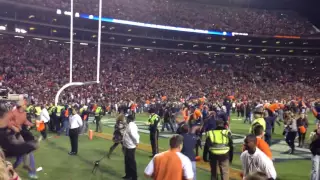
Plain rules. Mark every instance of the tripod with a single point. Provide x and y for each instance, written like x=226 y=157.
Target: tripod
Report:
x=97 y=163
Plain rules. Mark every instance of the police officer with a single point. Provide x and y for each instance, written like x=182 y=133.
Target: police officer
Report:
x=258 y=115
x=53 y=118
x=154 y=132
x=58 y=119
x=30 y=112
x=97 y=116
x=219 y=146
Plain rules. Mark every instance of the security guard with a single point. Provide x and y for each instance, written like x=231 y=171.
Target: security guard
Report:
x=50 y=108
x=98 y=113
x=258 y=114
x=219 y=145
x=154 y=132
x=53 y=117
x=58 y=120
x=30 y=112
x=38 y=111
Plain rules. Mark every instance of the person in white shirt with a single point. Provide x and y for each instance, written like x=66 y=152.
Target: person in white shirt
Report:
x=44 y=116
x=254 y=160
x=75 y=123
x=130 y=141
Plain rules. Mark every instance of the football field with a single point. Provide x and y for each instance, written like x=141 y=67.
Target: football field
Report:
x=53 y=156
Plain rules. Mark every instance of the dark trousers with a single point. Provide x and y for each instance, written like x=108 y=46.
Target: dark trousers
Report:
x=242 y=113
x=133 y=113
x=290 y=139
x=74 y=134
x=113 y=147
x=267 y=138
x=98 y=124
x=223 y=162
x=302 y=137
x=167 y=124
x=51 y=125
x=44 y=132
x=154 y=136
x=130 y=163
x=58 y=123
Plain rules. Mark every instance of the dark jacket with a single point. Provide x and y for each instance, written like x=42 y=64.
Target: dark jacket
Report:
x=13 y=148
x=303 y=122
x=119 y=129
x=315 y=145
x=208 y=144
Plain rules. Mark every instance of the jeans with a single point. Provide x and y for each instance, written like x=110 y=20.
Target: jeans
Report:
x=65 y=126
x=315 y=171
x=194 y=169
x=27 y=158
x=267 y=138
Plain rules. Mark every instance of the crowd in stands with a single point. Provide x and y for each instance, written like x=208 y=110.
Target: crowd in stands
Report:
x=190 y=14
x=41 y=68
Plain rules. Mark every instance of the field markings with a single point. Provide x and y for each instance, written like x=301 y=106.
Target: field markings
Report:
x=277 y=149
x=234 y=173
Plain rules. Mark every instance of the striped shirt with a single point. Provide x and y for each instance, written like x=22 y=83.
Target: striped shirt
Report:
x=170 y=165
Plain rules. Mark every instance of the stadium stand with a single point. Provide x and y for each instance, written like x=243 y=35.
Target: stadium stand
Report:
x=194 y=15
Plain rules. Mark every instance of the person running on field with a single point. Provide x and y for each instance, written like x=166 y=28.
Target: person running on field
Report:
x=119 y=129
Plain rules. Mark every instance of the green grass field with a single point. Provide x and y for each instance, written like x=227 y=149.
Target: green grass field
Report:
x=57 y=164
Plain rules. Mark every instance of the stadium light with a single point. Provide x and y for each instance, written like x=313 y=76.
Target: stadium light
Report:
x=3 y=28
x=18 y=30
x=67 y=13
x=38 y=39
x=53 y=40
x=59 y=11
x=84 y=44
x=19 y=37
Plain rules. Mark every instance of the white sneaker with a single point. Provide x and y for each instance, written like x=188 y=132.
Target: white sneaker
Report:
x=33 y=176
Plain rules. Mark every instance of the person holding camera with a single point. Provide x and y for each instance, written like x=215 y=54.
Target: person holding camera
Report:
x=130 y=141
x=119 y=129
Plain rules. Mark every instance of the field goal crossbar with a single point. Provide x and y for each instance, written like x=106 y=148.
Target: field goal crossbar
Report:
x=72 y=14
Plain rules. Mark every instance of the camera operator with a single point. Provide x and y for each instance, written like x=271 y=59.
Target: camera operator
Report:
x=130 y=141
x=11 y=146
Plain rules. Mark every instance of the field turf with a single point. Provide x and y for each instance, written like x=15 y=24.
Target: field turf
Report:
x=53 y=157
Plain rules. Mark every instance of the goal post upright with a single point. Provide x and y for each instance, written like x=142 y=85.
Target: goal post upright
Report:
x=71 y=83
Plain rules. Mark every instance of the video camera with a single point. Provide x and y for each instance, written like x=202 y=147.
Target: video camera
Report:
x=4 y=92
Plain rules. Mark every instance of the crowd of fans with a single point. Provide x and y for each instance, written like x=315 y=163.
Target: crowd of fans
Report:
x=41 y=68
x=189 y=14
